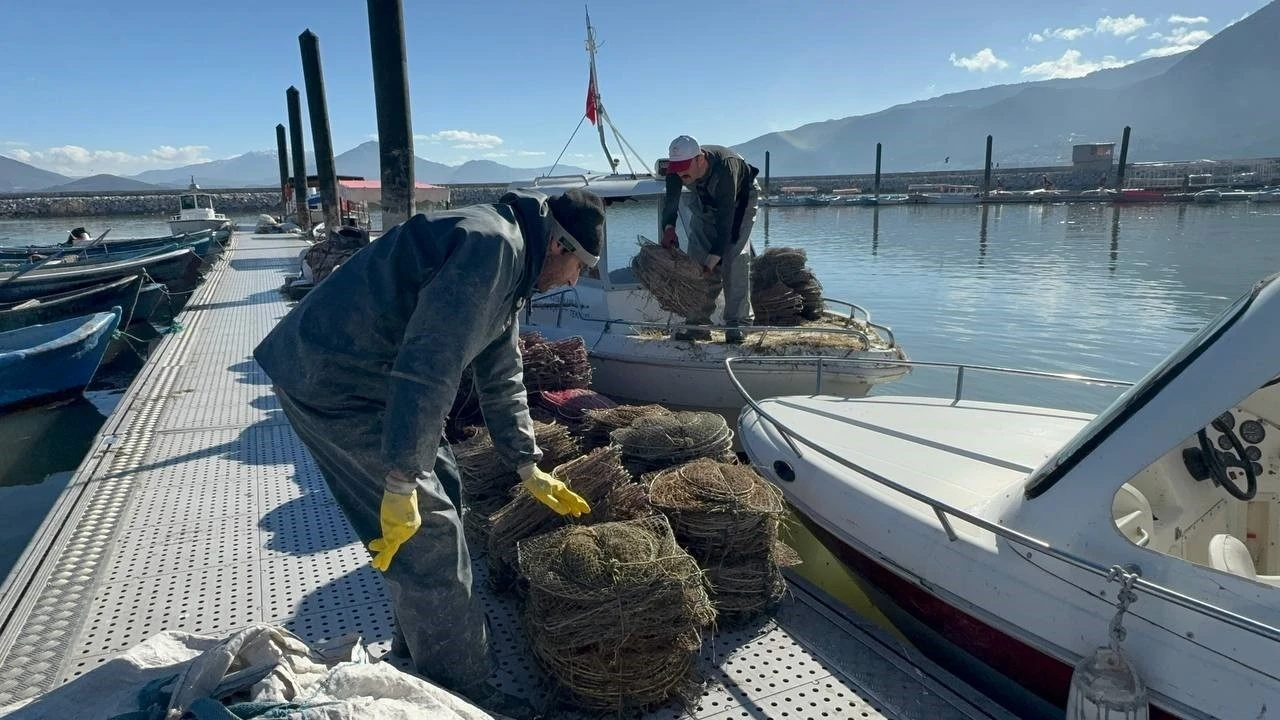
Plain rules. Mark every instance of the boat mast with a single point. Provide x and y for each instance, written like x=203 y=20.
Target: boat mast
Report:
x=601 y=117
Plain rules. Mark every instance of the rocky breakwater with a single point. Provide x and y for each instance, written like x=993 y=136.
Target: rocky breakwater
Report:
x=89 y=204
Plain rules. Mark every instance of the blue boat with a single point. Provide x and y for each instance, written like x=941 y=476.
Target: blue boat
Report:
x=122 y=293
x=41 y=362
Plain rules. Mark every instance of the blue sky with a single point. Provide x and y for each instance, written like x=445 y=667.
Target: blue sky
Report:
x=122 y=87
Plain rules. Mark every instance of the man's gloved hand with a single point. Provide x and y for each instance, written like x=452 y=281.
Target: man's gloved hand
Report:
x=669 y=239
x=400 y=520
x=552 y=493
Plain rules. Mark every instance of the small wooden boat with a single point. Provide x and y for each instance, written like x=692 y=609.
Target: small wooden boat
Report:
x=45 y=361
x=22 y=253
x=122 y=293
x=178 y=269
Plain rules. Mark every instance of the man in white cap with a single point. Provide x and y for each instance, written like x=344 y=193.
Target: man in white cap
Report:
x=722 y=209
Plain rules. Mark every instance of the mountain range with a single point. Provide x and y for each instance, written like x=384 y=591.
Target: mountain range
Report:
x=260 y=169
x=1211 y=102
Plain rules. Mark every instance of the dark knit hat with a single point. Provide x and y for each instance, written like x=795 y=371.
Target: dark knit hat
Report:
x=581 y=214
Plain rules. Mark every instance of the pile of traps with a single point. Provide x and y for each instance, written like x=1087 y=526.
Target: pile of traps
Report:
x=487 y=481
x=615 y=612
x=727 y=518
x=673 y=278
x=655 y=442
x=569 y=407
x=593 y=476
x=597 y=428
x=783 y=290
x=554 y=364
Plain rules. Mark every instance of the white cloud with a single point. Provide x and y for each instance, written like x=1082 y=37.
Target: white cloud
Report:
x=1120 y=26
x=981 y=61
x=1181 y=39
x=1071 y=65
x=1068 y=34
x=76 y=160
x=463 y=139
x=1185 y=20
x=14 y=143
x=1035 y=37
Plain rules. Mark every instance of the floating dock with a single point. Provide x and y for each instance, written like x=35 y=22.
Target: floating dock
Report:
x=199 y=510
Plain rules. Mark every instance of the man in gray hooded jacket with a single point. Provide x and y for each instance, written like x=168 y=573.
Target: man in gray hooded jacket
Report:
x=367 y=366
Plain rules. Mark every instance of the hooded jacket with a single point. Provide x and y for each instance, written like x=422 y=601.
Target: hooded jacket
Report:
x=391 y=330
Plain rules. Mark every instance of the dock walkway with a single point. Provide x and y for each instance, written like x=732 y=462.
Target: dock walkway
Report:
x=199 y=510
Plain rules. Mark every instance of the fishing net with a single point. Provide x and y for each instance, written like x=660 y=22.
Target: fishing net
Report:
x=784 y=287
x=654 y=442
x=804 y=342
x=597 y=428
x=727 y=517
x=554 y=364
x=673 y=278
x=487 y=481
x=625 y=502
x=615 y=612
x=570 y=406
x=593 y=476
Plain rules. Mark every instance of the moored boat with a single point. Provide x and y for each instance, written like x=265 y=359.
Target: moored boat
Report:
x=41 y=362
x=122 y=293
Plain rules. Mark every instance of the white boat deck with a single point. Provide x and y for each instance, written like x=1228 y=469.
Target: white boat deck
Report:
x=199 y=510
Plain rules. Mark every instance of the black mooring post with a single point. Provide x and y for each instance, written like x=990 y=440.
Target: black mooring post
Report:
x=299 y=158
x=877 y=180
x=986 y=174
x=766 y=173
x=322 y=143
x=391 y=95
x=282 y=154
x=1124 y=158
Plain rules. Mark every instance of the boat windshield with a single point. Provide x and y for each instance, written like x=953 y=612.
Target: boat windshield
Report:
x=187 y=202
x=204 y=201
x=1091 y=435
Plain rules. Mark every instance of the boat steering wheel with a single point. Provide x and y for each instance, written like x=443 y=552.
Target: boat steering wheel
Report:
x=1218 y=469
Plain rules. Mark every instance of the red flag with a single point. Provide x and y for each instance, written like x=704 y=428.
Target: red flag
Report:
x=591 y=97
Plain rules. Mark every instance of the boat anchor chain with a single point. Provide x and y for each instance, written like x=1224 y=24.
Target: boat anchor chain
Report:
x=1127 y=577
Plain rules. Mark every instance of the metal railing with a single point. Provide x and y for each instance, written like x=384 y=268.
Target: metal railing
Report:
x=560 y=305
x=944 y=511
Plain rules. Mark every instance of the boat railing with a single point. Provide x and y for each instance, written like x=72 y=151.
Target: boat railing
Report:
x=945 y=512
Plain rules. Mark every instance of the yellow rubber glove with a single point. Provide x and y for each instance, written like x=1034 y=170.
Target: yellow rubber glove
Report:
x=400 y=520
x=553 y=493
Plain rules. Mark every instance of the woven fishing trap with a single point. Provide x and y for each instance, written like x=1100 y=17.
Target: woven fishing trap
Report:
x=554 y=364
x=615 y=612
x=777 y=271
x=673 y=278
x=597 y=428
x=653 y=442
x=727 y=517
x=593 y=476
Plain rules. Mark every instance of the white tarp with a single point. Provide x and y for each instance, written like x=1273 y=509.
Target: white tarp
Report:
x=266 y=662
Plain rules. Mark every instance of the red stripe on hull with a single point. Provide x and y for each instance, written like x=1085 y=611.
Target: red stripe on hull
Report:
x=1042 y=674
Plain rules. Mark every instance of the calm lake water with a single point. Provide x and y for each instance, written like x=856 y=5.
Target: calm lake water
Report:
x=1092 y=289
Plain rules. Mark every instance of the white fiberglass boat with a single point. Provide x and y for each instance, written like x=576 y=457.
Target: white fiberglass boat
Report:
x=990 y=532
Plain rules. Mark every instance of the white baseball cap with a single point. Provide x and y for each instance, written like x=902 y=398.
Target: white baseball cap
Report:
x=681 y=153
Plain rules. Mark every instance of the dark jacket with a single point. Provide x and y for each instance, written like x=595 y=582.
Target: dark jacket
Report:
x=723 y=194
x=391 y=330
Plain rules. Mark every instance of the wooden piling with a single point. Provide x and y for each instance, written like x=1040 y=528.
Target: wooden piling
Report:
x=766 y=173
x=986 y=174
x=877 y=180
x=1124 y=158
x=299 y=158
x=391 y=95
x=321 y=141
x=282 y=154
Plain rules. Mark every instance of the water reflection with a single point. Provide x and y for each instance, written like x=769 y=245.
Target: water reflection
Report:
x=982 y=235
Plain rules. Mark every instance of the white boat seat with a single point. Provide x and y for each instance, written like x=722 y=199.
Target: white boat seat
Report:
x=1132 y=514
x=1229 y=554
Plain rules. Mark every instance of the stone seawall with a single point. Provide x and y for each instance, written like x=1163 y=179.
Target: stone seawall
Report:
x=231 y=202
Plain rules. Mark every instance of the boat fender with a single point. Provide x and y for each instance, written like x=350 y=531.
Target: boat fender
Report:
x=1104 y=685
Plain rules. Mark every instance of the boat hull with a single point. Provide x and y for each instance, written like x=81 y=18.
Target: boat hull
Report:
x=121 y=293
x=46 y=361
x=195 y=225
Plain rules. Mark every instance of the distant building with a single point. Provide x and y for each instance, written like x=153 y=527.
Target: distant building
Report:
x=1244 y=172
x=1092 y=156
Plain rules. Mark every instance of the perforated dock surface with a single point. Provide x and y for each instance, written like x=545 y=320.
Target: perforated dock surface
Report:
x=200 y=510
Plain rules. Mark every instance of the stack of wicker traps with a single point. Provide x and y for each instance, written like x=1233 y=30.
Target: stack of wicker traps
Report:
x=673 y=278
x=615 y=612
x=594 y=476
x=554 y=364
x=569 y=407
x=597 y=429
x=783 y=290
x=656 y=442
x=727 y=518
x=487 y=482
